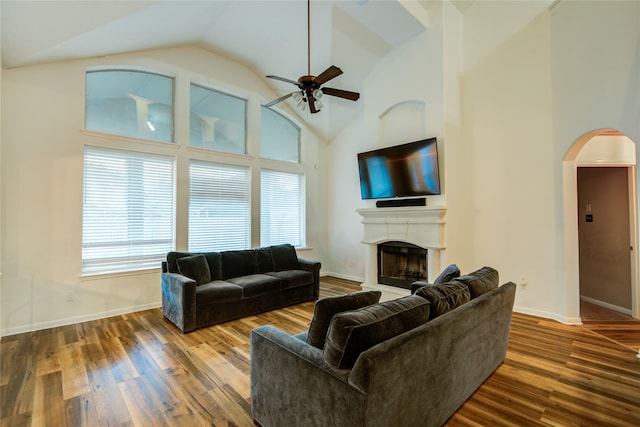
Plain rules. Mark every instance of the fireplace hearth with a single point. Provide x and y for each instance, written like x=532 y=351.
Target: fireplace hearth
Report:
x=401 y=263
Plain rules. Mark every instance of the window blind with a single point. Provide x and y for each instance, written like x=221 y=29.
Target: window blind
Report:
x=219 y=207
x=282 y=208
x=128 y=215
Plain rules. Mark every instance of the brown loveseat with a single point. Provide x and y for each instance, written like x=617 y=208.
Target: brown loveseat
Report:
x=202 y=289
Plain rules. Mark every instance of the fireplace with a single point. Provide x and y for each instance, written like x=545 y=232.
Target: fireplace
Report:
x=422 y=226
x=401 y=263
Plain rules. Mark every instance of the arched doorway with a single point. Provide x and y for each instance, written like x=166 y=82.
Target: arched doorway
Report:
x=599 y=148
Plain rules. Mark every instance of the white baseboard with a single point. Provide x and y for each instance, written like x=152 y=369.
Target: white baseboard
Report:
x=77 y=319
x=548 y=315
x=606 y=305
x=342 y=276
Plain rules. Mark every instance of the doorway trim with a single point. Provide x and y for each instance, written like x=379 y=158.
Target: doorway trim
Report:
x=570 y=201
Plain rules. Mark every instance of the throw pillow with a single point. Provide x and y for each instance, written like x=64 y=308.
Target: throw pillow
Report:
x=445 y=297
x=353 y=332
x=284 y=258
x=451 y=272
x=195 y=267
x=448 y=274
x=480 y=281
x=328 y=307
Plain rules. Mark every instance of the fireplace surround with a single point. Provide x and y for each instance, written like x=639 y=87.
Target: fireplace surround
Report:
x=422 y=226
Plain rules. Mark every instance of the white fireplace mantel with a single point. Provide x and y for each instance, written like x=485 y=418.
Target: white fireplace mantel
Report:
x=423 y=226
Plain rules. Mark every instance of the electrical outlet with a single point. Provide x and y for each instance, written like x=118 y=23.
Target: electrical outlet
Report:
x=523 y=281
x=70 y=296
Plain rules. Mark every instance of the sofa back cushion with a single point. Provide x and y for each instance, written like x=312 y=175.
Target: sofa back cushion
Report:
x=172 y=260
x=480 y=281
x=352 y=332
x=284 y=258
x=195 y=267
x=326 y=308
x=239 y=263
x=445 y=297
x=265 y=262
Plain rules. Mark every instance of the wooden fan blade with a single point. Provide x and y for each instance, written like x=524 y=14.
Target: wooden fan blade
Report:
x=275 y=101
x=312 y=105
x=328 y=74
x=353 y=96
x=293 y=82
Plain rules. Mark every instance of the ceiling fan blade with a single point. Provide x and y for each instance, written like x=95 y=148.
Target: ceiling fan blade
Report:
x=293 y=82
x=328 y=74
x=312 y=105
x=275 y=101
x=353 y=96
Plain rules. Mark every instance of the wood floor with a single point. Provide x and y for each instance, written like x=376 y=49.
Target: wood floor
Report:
x=139 y=370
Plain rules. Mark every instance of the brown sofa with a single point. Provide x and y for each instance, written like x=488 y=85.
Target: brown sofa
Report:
x=202 y=289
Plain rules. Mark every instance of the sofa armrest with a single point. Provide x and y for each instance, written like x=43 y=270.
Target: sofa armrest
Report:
x=307 y=388
x=179 y=300
x=314 y=268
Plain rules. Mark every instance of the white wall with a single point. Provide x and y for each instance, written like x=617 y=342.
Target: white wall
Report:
x=595 y=67
x=507 y=129
x=413 y=71
x=42 y=155
x=531 y=85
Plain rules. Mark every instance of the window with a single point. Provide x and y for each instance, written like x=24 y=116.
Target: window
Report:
x=279 y=137
x=217 y=120
x=128 y=216
x=130 y=103
x=282 y=208
x=219 y=207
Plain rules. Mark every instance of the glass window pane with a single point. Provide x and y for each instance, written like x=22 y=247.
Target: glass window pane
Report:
x=217 y=120
x=130 y=103
x=128 y=215
x=279 y=137
x=219 y=207
x=282 y=208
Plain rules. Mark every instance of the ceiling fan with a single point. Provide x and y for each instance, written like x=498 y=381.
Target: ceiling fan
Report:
x=310 y=87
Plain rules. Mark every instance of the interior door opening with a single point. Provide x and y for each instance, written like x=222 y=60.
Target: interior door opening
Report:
x=605 y=241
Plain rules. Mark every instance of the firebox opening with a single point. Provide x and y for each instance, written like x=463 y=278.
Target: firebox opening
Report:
x=400 y=264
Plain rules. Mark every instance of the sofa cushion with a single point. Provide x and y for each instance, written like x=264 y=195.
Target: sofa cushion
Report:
x=480 y=281
x=172 y=258
x=239 y=263
x=328 y=307
x=195 y=267
x=445 y=297
x=214 y=259
x=293 y=278
x=265 y=263
x=256 y=284
x=352 y=332
x=217 y=291
x=284 y=257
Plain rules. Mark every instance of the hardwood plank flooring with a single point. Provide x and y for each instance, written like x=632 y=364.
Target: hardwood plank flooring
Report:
x=139 y=370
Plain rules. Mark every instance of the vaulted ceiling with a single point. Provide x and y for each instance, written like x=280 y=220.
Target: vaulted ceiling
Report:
x=268 y=36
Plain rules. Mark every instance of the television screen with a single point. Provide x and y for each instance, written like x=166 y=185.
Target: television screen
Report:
x=400 y=171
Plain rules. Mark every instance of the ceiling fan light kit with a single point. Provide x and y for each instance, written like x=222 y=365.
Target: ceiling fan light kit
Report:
x=310 y=87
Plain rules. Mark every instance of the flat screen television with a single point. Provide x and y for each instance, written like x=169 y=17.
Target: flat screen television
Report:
x=400 y=171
